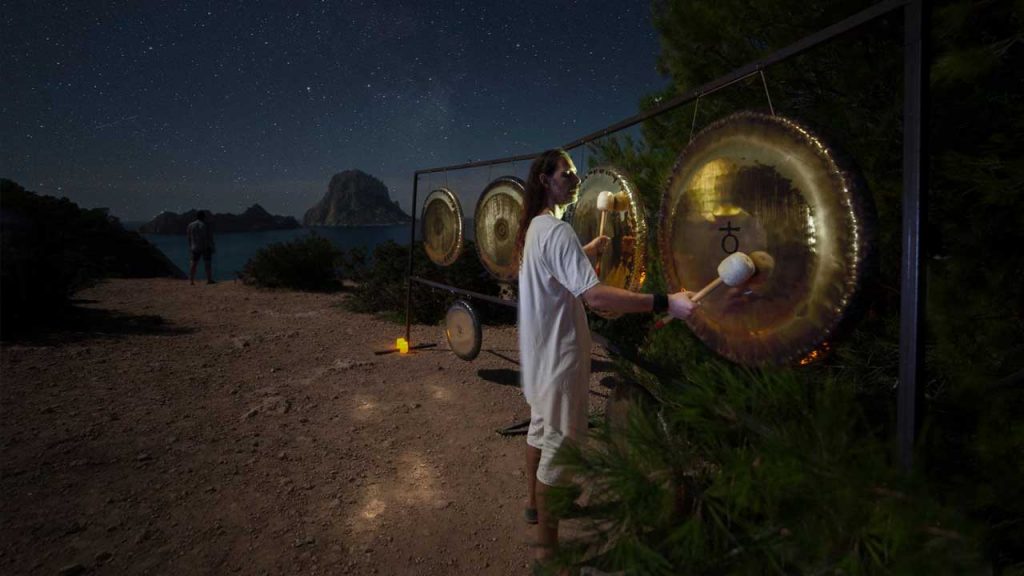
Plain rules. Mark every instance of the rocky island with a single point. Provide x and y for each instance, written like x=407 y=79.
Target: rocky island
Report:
x=355 y=198
x=254 y=219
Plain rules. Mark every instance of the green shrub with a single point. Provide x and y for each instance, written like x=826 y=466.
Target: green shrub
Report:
x=305 y=264
x=52 y=248
x=745 y=471
x=383 y=287
x=793 y=471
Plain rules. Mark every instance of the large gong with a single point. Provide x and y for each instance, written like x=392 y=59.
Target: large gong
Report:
x=496 y=226
x=442 y=227
x=622 y=263
x=769 y=187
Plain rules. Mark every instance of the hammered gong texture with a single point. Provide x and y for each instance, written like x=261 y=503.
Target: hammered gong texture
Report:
x=769 y=187
x=496 y=226
x=622 y=263
x=442 y=227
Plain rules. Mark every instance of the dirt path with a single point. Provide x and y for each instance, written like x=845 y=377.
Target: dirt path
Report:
x=223 y=429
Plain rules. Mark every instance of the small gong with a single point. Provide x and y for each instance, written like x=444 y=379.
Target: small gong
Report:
x=442 y=227
x=462 y=328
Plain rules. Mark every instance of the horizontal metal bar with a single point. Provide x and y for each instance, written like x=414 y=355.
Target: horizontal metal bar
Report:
x=478 y=164
x=798 y=47
x=750 y=69
x=464 y=292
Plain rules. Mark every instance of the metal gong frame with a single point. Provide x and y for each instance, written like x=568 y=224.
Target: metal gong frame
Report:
x=914 y=181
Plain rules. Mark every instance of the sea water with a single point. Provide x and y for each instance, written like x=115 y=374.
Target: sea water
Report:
x=234 y=250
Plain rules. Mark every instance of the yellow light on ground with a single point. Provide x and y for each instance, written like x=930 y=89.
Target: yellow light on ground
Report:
x=402 y=345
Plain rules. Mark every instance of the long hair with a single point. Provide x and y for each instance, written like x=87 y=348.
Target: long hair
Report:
x=535 y=195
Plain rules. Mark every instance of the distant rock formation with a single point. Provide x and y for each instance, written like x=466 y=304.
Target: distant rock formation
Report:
x=254 y=219
x=355 y=198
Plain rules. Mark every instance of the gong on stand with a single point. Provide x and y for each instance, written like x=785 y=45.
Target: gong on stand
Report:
x=462 y=330
x=496 y=226
x=622 y=263
x=442 y=227
x=768 y=187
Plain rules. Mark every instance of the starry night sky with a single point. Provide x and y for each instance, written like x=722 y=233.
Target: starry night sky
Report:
x=144 y=106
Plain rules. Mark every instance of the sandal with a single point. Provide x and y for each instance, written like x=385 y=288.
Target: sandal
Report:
x=530 y=514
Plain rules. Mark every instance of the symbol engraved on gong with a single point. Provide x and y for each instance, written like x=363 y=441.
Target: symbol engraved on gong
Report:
x=501 y=229
x=729 y=229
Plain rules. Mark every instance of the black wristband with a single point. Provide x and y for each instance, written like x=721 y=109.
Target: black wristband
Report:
x=660 y=303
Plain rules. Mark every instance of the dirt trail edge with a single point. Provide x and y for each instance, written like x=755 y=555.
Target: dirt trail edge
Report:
x=225 y=429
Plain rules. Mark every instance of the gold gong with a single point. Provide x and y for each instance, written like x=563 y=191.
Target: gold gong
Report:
x=442 y=227
x=622 y=263
x=496 y=226
x=766 y=186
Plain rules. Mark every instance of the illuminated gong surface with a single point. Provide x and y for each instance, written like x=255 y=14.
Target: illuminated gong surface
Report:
x=768 y=187
x=622 y=263
x=442 y=227
x=462 y=329
x=496 y=226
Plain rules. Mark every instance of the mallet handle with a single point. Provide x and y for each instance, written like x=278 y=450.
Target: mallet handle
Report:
x=696 y=298
x=707 y=289
x=600 y=232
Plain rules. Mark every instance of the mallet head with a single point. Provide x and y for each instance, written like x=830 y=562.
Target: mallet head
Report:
x=736 y=269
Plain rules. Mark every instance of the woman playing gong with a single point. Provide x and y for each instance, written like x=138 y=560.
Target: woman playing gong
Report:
x=556 y=274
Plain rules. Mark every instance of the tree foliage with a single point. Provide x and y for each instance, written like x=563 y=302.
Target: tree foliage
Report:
x=308 y=263
x=383 y=287
x=740 y=471
x=792 y=471
x=51 y=248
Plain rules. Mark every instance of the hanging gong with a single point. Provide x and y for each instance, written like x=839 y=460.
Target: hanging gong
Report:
x=462 y=328
x=622 y=263
x=442 y=227
x=496 y=227
x=766 y=186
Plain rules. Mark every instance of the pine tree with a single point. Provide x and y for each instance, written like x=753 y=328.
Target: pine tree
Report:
x=734 y=470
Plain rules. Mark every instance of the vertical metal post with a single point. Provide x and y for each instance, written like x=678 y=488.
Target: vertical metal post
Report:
x=915 y=166
x=412 y=248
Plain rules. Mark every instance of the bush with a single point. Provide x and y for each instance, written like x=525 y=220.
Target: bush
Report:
x=382 y=288
x=748 y=472
x=305 y=264
x=51 y=248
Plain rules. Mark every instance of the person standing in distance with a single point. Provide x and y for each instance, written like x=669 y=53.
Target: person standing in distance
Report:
x=556 y=275
x=200 y=245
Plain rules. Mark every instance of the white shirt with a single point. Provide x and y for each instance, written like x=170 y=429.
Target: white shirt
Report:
x=554 y=338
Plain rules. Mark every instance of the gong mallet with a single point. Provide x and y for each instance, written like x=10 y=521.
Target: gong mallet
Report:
x=608 y=202
x=734 y=270
x=605 y=204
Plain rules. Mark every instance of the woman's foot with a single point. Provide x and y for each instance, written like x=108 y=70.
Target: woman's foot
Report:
x=530 y=514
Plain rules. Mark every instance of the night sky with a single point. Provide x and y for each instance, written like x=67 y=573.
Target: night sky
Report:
x=145 y=106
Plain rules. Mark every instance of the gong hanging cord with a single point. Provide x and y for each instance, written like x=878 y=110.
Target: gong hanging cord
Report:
x=693 y=123
x=766 y=93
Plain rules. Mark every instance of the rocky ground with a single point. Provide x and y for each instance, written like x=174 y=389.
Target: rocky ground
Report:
x=178 y=429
